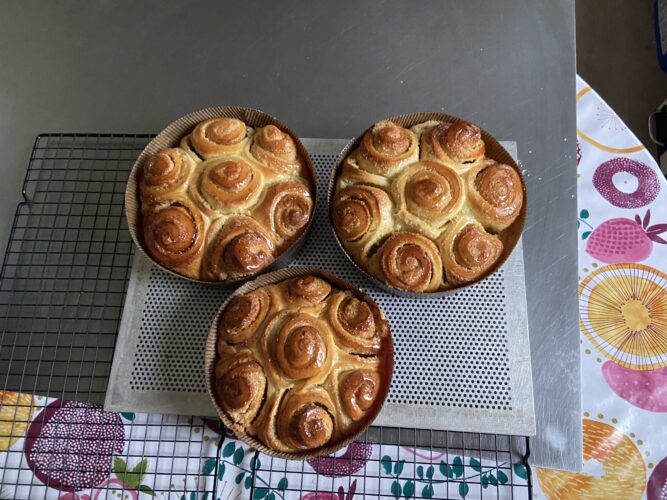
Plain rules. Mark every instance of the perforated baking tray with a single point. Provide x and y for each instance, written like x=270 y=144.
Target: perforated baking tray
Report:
x=462 y=361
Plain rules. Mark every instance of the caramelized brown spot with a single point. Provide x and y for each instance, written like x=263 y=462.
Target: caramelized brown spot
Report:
x=272 y=139
x=356 y=317
x=464 y=141
x=241 y=384
x=247 y=252
x=304 y=347
x=352 y=218
x=293 y=213
x=173 y=229
x=160 y=167
x=231 y=175
x=412 y=264
x=226 y=131
x=390 y=139
x=500 y=186
x=358 y=391
x=241 y=312
x=476 y=248
x=311 y=426
x=310 y=288
x=235 y=391
x=428 y=190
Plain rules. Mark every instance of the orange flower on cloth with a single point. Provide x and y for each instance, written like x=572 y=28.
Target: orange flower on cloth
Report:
x=623 y=312
x=15 y=412
x=624 y=472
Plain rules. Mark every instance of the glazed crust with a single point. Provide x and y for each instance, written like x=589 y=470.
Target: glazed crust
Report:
x=300 y=363
x=222 y=172
x=397 y=209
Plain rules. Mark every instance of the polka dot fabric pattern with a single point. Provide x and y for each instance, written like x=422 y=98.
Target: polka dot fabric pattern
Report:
x=70 y=446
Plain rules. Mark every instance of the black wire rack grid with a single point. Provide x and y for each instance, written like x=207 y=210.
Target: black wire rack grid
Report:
x=62 y=288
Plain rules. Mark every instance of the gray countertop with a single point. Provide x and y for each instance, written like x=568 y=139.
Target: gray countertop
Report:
x=328 y=70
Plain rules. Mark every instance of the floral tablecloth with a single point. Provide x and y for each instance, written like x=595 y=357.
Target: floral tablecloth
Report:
x=63 y=449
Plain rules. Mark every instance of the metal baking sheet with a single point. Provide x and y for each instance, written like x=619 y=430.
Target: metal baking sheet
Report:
x=462 y=361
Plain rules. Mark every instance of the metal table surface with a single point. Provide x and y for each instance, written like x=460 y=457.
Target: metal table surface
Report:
x=329 y=70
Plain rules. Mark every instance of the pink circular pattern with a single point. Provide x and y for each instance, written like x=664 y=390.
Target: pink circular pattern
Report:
x=644 y=389
x=355 y=457
x=656 y=488
x=647 y=189
x=320 y=496
x=70 y=445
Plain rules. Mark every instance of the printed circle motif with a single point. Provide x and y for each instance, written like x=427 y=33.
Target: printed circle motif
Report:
x=656 y=488
x=645 y=389
x=623 y=312
x=647 y=188
x=624 y=470
x=355 y=457
x=601 y=127
x=15 y=412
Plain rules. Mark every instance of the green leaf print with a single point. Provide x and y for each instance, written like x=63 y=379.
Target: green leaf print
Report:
x=132 y=479
x=585 y=235
x=282 y=484
x=427 y=492
x=475 y=464
x=128 y=416
x=221 y=471
x=429 y=472
x=118 y=465
x=457 y=467
x=446 y=470
x=228 y=450
x=238 y=456
x=248 y=482
x=420 y=472
x=386 y=464
x=520 y=470
x=209 y=466
x=141 y=467
x=145 y=489
x=396 y=489
x=492 y=479
x=502 y=477
x=255 y=463
x=409 y=489
x=398 y=467
x=239 y=477
x=463 y=489
x=271 y=496
x=260 y=493
x=485 y=481
x=584 y=214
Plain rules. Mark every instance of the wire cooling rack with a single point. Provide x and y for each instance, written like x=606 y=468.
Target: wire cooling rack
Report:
x=62 y=288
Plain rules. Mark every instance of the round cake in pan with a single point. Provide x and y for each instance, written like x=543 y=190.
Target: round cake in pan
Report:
x=425 y=205
x=225 y=199
x=299 y=366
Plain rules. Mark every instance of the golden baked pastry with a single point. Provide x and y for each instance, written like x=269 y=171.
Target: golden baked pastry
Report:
x=227 y=202
x=386 y=148
x=301 y=364
x=174 y=233
x=423 y=209
x=495 y=194
x=468 y=251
